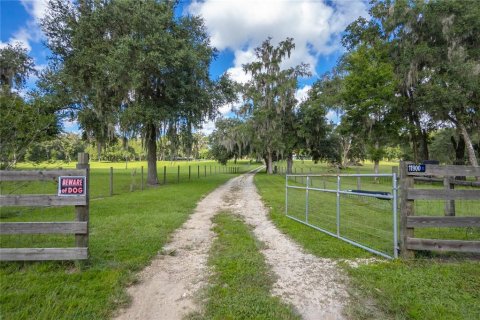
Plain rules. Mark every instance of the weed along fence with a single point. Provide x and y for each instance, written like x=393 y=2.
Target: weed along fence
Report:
x=443 y=212
x=360 y=209
x=72 y=190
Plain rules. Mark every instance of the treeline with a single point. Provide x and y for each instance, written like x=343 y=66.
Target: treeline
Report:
x=66 y=146
x=408 y=83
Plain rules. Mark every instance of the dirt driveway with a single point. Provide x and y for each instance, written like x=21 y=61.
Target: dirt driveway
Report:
x=168 y=287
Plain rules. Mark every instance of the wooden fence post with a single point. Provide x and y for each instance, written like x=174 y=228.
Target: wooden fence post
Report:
x=111 y=181
x=141 y=170
x=449 y=204
x=132 y=181
x=407 y=209
x=82 y=212
x=359 y=180
x=164 y=175
x=178 y=174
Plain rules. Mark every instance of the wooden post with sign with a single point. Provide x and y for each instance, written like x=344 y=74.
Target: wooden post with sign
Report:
x=73 y=190
x=410 y=221
x=407 y=209
x=82 y=212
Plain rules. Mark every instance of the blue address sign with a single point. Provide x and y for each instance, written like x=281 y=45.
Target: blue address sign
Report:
x=416 y=168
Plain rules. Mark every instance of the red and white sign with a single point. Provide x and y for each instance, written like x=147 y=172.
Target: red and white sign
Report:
x=72 y=186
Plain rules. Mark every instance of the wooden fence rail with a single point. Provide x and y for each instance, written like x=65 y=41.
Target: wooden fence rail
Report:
x=79 y=227
x=408 y=220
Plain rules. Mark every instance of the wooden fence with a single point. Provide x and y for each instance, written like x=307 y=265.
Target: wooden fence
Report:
x=408 y=220
x=79 y=227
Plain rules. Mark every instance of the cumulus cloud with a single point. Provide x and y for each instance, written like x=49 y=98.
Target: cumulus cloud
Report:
x=71 y=126
x=31 y=31
x=242 y=25
x=302 y=93
x=35 y=8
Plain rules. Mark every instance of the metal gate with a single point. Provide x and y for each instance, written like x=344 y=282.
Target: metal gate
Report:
x=360 y=209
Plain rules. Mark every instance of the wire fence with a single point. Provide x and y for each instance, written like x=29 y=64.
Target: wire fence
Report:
x=105 y=182
x=360 y=209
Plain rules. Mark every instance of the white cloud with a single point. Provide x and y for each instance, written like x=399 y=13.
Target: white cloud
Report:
x=31 y=31
x=71 y=126
x=302 y=93
x=334 y=116
x=35 y=8
x=242 y=25
x=208 y=127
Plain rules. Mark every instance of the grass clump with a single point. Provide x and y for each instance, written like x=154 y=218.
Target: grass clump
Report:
x=241 y=283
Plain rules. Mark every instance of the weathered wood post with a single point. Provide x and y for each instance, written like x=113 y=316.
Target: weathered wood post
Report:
x=178 y=174
x=359 y=180
x=82 y=212
x=132 y=181
x=111 y=181
x=406 y=209
x=449 y=204
x=141 y=170
x=164 y=175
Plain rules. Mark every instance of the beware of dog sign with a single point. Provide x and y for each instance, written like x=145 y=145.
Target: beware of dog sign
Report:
x=72 y=186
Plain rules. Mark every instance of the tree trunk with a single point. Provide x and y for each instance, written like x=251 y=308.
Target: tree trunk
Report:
x=472 y=158
x=289 y=163
x=269 y=162
x=99 y=151
x=424 y=145
x=376 y=161
x=346 y=145
x=151 y=143
x=459 y=148
x=376 y=165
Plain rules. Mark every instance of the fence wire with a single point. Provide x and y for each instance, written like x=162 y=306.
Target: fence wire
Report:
x=360 y=209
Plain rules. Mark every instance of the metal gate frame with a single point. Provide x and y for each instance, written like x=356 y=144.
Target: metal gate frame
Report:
x=338 y=192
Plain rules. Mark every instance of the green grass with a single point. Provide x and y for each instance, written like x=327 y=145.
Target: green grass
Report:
x=420 y=289
x=126 y=231
x=241 y=284
x=430 y=287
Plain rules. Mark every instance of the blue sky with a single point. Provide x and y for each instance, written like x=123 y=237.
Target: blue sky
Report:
x=236 y=27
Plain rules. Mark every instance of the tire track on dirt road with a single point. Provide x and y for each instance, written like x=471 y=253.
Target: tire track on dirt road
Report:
x=169 y=286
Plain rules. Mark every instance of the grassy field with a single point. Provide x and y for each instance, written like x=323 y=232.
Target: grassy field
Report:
x=126 y=231
x=241 y=282
x=430 y=287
